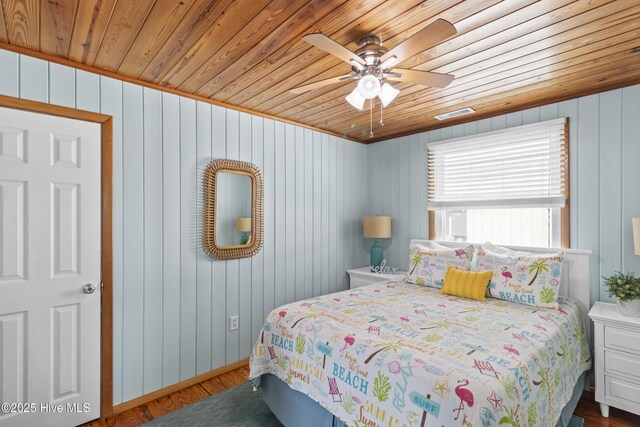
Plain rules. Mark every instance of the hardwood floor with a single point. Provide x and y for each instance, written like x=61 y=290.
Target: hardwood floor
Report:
x=175 y=401
x=587 y=408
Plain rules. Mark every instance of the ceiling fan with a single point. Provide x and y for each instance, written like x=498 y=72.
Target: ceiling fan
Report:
x=372 y=64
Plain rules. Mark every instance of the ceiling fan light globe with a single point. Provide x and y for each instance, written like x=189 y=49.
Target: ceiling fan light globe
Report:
x=387 y=94
x=355 y=99
x=369 y=87
x=389 y=62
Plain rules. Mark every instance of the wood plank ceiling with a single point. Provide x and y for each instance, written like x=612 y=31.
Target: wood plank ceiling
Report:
x=507 y=55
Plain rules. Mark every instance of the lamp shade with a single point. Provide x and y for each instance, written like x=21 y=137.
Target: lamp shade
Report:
x=636 y=235
x=376 y=227
x=243 y=224
x=355 y=99
x=369 y=86
x=387 y=94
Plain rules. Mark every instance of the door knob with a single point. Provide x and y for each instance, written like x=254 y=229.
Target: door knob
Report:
x=88 y=288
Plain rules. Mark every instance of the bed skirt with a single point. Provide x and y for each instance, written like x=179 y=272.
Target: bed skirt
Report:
x=293 y=408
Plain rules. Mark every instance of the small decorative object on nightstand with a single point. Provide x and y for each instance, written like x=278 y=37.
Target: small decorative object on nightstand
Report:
x=617 y=358
x=625 y=287
x=363 y=276
x=376 y=227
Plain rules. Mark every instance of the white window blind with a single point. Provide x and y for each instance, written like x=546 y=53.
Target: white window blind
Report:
x=524 y=166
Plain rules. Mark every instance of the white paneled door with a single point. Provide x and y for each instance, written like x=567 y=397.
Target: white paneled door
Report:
x=49 y=270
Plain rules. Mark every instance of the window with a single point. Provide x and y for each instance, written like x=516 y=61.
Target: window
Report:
x=508 y=186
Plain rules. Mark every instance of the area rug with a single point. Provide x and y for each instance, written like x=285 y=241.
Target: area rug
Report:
x=576 y=422
x=237 y=407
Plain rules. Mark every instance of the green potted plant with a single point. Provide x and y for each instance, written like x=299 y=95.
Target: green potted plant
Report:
x=626 y=289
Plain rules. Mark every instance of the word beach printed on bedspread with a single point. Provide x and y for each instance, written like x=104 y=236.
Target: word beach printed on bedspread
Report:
x=394 y=354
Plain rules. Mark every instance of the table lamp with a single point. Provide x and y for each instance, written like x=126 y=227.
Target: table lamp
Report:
x=243 y=225
x=636 y=235
x=376 y=227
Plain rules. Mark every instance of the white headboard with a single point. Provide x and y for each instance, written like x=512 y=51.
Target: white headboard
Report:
x=574 y=282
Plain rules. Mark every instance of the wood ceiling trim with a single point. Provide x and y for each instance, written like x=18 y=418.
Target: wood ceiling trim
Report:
x=87 y=33
x=125 y=24
x=489 y=78
x=505 y=45
x=22 y=19
x=157 y=28
x=113 y=75
x=272 y=74
x=56 y=18
x=200 y=17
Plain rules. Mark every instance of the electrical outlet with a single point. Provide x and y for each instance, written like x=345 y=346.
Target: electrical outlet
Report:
x=233 y=323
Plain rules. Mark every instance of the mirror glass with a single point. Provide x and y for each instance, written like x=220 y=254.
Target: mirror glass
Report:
x=233 y=209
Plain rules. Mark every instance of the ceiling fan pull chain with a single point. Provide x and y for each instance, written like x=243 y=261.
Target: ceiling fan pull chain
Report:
x=371 y=118
x=381 y=118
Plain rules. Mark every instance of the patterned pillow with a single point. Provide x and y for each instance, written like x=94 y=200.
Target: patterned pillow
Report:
x=428 y=266
x=522 y=277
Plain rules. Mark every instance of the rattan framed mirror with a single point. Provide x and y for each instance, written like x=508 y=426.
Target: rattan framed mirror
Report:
x=232 y=209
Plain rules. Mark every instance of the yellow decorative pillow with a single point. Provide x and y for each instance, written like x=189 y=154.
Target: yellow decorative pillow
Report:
x=466 y=284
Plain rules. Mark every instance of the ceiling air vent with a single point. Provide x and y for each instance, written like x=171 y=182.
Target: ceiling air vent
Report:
x=457 y=113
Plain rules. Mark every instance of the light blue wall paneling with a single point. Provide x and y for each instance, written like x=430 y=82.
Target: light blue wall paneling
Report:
x=203 y=265
x=33 y=79
x=153 y=260
x=111 y=103
x=62 y=87
x=133 y=242
x=170 y=239
x=171 y=302
x=257 y=261
x=604 y=148
x=630 y=172
x=218 y=269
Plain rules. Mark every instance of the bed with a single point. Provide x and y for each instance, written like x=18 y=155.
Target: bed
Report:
x=397 y=354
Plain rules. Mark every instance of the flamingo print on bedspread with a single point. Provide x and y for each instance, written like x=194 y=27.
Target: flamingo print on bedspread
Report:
x=465 y=396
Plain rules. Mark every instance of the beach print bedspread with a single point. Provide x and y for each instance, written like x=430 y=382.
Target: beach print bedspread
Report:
x=394 y=354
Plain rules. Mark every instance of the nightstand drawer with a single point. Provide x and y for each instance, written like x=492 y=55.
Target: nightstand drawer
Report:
x=623 y=364
x=622 y=390
x=621 y=339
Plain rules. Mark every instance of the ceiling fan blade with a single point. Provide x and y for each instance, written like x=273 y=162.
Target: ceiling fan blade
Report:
x=424 y=78
x=323 y=42
x=424 y=39
x=320 y=83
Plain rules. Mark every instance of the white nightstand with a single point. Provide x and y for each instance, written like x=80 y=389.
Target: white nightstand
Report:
x=617 y=358
x=363 y=276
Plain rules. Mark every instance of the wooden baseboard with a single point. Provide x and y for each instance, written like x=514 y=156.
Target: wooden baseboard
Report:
x=130 y=404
